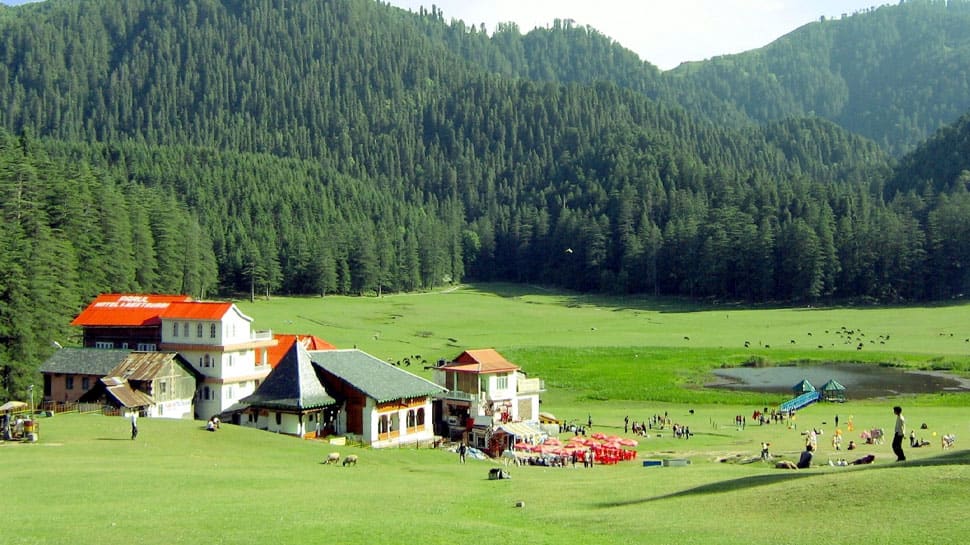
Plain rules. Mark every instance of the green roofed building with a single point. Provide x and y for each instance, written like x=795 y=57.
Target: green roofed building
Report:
x=833 y=391
x=379 y=404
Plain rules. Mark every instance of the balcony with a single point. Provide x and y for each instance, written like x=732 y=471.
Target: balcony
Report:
x=262 y=335
x=457 y=396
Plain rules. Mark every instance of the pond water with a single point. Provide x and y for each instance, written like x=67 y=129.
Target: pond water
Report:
x=860 y=381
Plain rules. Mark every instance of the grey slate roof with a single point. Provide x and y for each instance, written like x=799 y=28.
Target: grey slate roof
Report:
x=84 y=361
x=374 y=378
x=293 y=384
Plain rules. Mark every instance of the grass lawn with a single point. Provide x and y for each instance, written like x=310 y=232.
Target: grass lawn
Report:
x=86 y=482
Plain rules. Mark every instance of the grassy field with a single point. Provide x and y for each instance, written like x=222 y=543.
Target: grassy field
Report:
x=86 y=482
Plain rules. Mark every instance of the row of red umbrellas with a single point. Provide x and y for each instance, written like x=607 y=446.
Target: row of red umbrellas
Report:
x=553 y=445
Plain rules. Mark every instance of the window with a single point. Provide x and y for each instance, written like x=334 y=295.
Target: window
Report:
x=175 y=329
x=502 y=382
x=69 y=383
x=411 y=419
x=162 y=386
x=206 y=393
x=212 y=331
x=198 y=330
x=146 y=347
x=279 y=418
x=185 y=329
x=208 y=361
x=124 y=346
x=85 y=383
x=421 y=416
x=104 y=344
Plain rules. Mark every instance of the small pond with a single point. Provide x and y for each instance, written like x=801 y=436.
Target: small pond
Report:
x=860 y=381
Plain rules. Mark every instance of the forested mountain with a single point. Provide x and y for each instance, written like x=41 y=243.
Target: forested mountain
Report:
x=310 y=147
x=894 y=74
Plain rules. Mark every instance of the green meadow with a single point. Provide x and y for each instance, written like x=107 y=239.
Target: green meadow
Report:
x=603 y=358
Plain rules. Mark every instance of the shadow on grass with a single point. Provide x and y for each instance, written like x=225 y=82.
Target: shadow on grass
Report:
x=960 y=457
x=114 y=439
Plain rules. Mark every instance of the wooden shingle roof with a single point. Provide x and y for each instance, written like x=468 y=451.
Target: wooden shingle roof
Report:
x=145 y=366
x=84 y=361
x=374 y=378
x=293 y=385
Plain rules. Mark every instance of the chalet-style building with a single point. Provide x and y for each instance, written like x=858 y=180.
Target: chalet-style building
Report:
x=155 y=384
x=485 y=394
x=291 y=400
x=72 y=372
x=214 y=337
x=380 y=404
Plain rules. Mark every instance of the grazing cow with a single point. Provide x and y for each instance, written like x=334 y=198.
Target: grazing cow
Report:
x=332 y=458
x=350 y=460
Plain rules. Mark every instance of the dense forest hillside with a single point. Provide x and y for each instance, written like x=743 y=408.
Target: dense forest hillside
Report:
x=894 y=74
x=217 y=147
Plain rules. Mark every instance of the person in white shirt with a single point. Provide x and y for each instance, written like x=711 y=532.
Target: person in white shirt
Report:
x=899 y=434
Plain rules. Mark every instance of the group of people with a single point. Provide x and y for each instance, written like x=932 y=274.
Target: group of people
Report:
x=656 y=422
x=811 y=445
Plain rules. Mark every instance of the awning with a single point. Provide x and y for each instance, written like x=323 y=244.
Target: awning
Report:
x=521 y=429
x=13 y=406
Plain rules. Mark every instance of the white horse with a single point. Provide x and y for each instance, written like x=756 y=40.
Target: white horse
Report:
x=510 y=457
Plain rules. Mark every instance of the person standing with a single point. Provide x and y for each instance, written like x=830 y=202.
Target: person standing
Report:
x=134 y=424
x=899 y=434
x=462 y=452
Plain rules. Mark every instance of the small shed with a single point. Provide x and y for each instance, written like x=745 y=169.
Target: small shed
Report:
x=803 y=387
x=833 y=391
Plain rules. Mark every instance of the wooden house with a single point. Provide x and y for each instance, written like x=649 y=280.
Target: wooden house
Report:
x=155 y=384
x=380 y=404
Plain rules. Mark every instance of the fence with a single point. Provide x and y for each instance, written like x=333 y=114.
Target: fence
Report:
x=54 y=407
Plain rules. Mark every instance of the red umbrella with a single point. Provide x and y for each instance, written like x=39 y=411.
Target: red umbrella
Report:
x=628 y=442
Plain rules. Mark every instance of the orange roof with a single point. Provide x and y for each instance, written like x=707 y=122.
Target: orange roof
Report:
x=310 y=342
x=118 y=309
x=197 y=310
x=482 y=361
